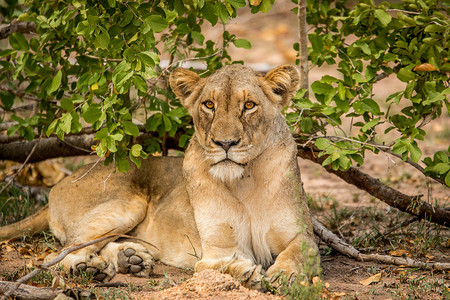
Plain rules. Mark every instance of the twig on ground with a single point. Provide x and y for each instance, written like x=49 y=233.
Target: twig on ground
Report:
x=342 y=247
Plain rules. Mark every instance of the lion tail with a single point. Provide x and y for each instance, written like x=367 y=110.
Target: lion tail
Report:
x=31 y=225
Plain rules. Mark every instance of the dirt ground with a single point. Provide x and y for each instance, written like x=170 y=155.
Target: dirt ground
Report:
x=350 y=212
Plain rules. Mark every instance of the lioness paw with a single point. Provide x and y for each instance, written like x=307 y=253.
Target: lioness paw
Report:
x=135 y=259
x=95 y=266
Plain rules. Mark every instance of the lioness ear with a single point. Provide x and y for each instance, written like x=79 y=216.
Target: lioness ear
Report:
x=284 y=82
x=183 y=83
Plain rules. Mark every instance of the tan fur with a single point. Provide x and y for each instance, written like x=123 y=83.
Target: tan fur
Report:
x=235 y=203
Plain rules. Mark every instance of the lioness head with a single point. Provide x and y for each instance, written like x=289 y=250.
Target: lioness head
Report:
x=236 y=112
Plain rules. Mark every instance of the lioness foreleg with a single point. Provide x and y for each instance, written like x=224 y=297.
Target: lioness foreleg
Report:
x=298 y=260
x=241 y=268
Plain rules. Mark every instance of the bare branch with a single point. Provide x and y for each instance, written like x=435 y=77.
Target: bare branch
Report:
x=303 y=44
x=72 y=145
x=341 y=246
x=20 y=27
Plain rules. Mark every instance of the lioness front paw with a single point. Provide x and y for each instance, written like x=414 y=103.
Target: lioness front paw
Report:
x=135 y=259
x=255 y=280
x=281 y=274
x=94 y=265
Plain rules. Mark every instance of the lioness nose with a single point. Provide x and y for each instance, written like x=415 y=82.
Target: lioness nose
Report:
x=226 y=145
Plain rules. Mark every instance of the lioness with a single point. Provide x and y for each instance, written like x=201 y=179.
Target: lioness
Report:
x=235 y=203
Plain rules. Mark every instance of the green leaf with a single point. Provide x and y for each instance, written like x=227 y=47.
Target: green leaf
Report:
x=405 y=75
x=102 y=40
x=434 y=28
x=242 y=43
x=18 y=42
x=135 y=160
x=140 y=84
x=209 y=13
x=415 y=152
x=157 y=23
x=102 y=133
x=222 y=12
x=167 y=123
x=117 y=136
x=323 y=143
x=370 y=124
x=183 y=140
x=198 y=37
x=236 y=3
x=126 y=18
x=316 y=42
x=383 y=17
x=66 y=123
x=441 y=168
x=67 y=104
x=136 y=150
x=51 y=127
x=13 y=129
x=111 y=144
x=56 y=82
x=130 y=128
x=321 y=88
x=122 y=164
x=92 y=114
x=341 y=91
x=447 y=179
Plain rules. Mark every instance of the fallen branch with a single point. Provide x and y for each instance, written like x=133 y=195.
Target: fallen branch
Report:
x=20 y=27
x=29 y=292
x=410 y=204
x=342 y=247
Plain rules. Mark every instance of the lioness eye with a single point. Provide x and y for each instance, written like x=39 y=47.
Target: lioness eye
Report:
x=249 y=105
x=209 y=104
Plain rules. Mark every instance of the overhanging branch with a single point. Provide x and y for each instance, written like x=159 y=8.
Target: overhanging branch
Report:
x=73 y=145
x=20 y=27
x=410 y=204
